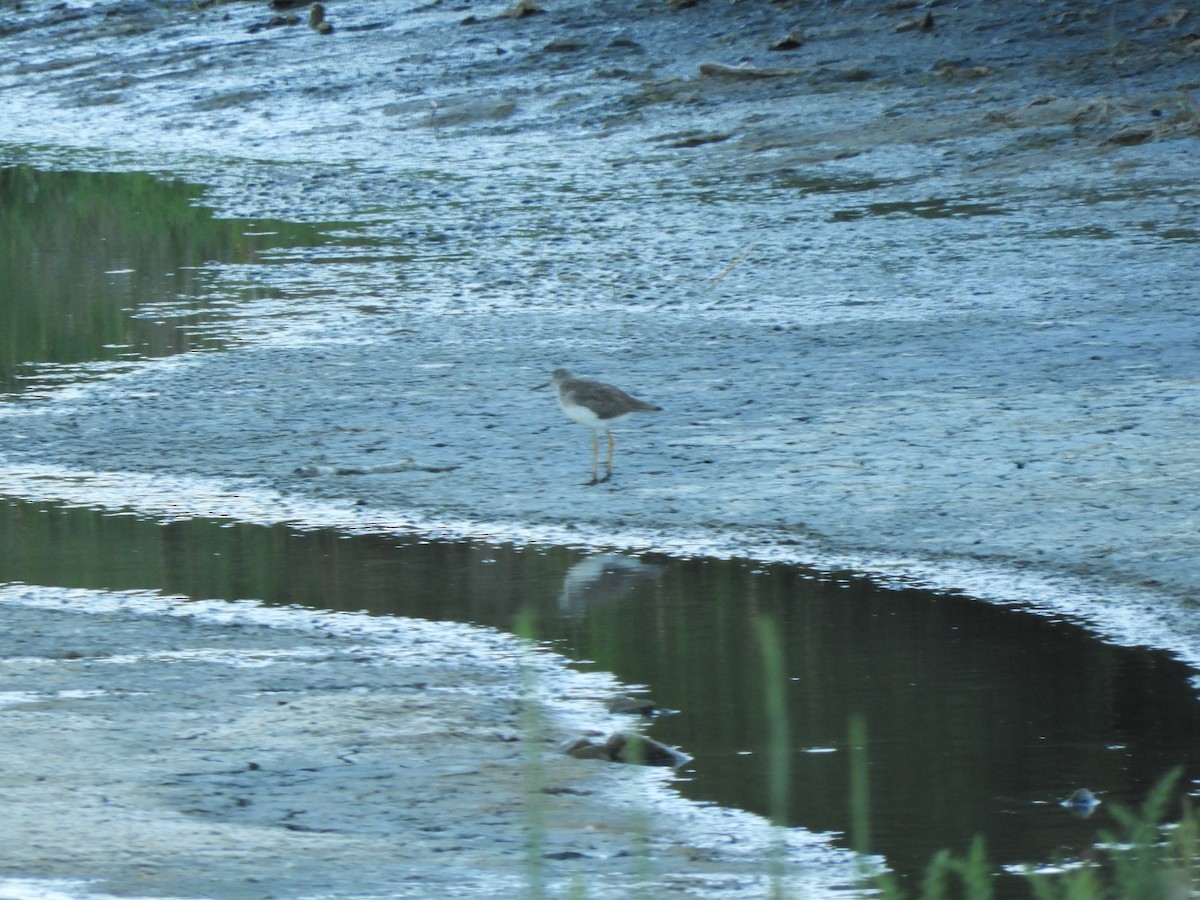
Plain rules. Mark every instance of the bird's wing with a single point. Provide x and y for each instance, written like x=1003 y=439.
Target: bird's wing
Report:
x=597 y=392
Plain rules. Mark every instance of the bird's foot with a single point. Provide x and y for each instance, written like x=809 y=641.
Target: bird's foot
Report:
x=596 y=480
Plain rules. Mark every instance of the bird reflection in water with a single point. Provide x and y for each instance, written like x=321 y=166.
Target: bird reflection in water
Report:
x=603 y=577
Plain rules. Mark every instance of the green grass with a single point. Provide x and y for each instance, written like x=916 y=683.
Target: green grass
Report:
x=779 y=765
x=1146 y=858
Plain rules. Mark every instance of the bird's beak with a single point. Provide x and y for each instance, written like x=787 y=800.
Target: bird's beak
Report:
x=540 y=386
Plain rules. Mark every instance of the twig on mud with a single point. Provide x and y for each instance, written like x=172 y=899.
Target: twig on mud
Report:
x=733 y=265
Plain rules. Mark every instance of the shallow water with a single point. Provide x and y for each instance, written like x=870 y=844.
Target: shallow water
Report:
x=979 y=719
x=100 y=270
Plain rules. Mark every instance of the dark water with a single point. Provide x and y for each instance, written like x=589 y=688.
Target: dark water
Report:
x=979 y=719
x=104 y=268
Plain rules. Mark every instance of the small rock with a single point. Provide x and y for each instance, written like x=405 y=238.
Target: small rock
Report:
x=743 y=72
x=955 y=71
x=855 y=73
x=1168 y=20
x=1083 y=802
x=316 y=20
x=698 y=140
x=522 y=9
x=585 y=748
x=274 y=22
x=923 y=24
x=1129 y=137
x=634 y=705
x=626 y=747
x=794 y=40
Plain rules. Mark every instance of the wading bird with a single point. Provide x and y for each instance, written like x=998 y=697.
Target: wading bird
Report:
x=597 y=406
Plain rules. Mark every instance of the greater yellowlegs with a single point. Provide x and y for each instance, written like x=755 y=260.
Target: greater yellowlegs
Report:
x=597 y=406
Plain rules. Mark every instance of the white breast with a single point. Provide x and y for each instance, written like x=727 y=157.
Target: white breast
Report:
x=585 y=416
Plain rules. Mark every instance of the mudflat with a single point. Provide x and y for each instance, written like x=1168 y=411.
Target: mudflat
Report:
x=913 y=284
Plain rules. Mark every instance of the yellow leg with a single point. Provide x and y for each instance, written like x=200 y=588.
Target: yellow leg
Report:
x=612 y=446
x=595 y=457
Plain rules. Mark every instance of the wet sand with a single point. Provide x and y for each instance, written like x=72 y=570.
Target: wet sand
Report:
x=916 y=301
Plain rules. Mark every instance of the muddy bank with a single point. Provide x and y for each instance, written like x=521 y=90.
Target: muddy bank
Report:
x=916 y=300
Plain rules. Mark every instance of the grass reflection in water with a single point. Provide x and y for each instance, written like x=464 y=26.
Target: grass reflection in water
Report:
x=103 y=267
